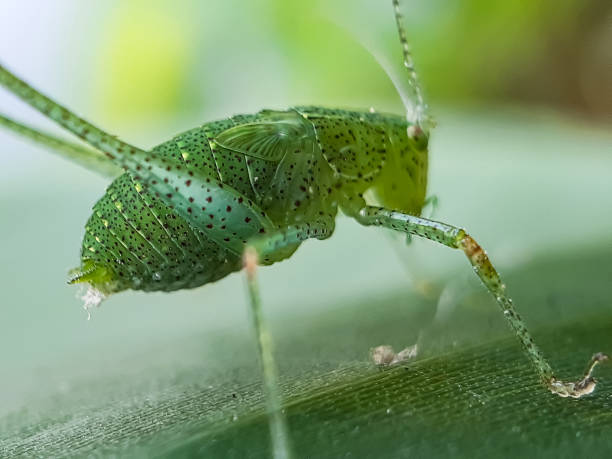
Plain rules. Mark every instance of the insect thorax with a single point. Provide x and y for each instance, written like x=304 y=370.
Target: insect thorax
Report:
x=181 y=216
x=371 y=153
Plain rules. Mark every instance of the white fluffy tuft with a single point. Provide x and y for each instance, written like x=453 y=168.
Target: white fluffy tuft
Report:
x=92 y=299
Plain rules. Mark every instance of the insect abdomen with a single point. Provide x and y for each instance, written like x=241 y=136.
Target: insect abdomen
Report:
x=147 y=246
x=180 y=217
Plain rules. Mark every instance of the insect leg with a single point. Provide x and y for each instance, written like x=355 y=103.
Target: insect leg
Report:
x=262 y=249
x=457 y=238
x=118 y=151
x=86 y=157
x=278 y=424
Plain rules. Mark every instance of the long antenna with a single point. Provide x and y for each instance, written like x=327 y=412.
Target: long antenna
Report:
x=413 y=79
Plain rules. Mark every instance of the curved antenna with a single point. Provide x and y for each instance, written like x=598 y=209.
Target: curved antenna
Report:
x=384 y=63
x=413 y=79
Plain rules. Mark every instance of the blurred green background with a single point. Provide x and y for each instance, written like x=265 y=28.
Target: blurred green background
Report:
x=521 y=91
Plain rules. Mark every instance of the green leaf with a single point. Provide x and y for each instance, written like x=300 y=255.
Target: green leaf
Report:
x=456 y=398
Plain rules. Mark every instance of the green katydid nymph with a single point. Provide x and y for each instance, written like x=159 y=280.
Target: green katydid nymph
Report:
x=247 y=191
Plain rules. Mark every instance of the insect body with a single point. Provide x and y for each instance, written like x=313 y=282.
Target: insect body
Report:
x=249 y=190
x=180 y=215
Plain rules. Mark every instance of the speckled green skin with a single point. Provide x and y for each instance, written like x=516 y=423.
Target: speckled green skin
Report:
x=180 y=216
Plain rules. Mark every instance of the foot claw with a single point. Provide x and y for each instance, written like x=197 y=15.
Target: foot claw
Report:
x=385 y=355
x=583 y=387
